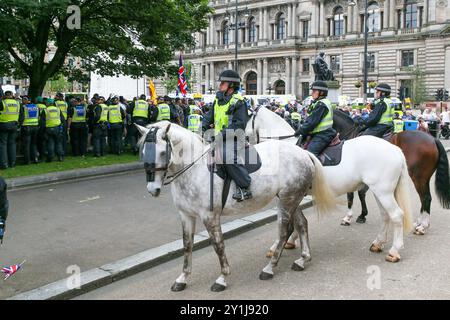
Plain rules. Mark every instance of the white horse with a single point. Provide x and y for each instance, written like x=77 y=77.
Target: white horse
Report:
x=365 y=160
x=172 y=148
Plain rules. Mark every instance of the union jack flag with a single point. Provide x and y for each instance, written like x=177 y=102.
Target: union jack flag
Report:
x=9 y=271
x=182 y=84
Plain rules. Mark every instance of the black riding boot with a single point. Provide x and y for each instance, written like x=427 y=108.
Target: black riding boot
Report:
x=242 y=194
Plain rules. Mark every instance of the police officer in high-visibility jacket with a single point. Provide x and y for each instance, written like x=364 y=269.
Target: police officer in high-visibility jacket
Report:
x=140 y=112
x=52 y=120
x=380 y=119
x=100 y=129
x=63 y=107
x=41 y=132
x=398 y=123
x=9 y=117
x=195 y=120
x=295 y=119
x=165 y=111
x=77 y=122
x=29 y=121
x=230 y=119
x=116 y=117
x=319 y=123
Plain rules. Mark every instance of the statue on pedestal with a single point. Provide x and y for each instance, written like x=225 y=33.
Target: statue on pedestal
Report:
x=320 y=66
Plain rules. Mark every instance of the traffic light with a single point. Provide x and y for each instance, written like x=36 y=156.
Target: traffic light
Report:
x=439 y=94
x=445 y=96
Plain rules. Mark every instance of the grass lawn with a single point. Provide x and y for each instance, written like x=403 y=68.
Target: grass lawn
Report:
x=69 y=163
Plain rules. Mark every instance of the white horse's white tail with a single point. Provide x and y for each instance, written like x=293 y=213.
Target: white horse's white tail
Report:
x=402 y=197
x=324 y=199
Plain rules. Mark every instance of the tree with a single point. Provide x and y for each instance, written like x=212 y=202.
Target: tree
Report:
x=132 y=37
x=419 y=91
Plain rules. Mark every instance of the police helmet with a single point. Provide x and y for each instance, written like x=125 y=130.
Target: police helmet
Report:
x=384 y=87
x=232 y=77
x=143 y=97
x=167 y=99
x=320 y=85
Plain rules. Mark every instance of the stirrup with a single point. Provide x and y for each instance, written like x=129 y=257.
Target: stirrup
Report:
x=242 y=194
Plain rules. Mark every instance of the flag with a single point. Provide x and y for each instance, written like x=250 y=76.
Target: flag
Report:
x=152 y=90
x=9 y=271
x=182 y=84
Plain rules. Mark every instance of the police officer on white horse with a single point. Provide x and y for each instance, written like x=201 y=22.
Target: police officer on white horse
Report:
x=229 y=113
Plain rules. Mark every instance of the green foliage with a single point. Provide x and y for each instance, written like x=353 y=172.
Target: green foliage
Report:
x=132 y=37
x=419 y=91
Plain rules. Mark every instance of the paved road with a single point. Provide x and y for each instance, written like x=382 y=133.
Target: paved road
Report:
x=85 y=223
x=338 y=270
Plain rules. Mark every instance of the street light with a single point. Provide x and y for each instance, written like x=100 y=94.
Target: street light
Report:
x=270 y=88
x=210 y=90
x=236 y=27
x=352 y=3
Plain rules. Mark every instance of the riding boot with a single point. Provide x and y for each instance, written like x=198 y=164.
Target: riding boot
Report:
x=242 y=194
x=2 y=230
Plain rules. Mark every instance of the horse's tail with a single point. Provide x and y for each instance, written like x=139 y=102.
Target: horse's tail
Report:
x=324 y=198
x=402 y=196
x=442 y=180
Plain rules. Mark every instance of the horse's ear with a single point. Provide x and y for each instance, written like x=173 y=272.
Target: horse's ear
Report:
x=142 y=130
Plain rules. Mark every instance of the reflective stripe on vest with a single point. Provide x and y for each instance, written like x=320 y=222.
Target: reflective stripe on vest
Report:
x=79 y=114
x=31 y=113
x=221 y=119
x=10 y=111
x=398 y=126
x=326 y=122
x=114 y=114
x=62 y=105
x=41 y=106
x=387 y=116
x=295 y=116
x=140 y=109
x=52 y=117
x=104 y=115
x=163 y=112
x=194 y=122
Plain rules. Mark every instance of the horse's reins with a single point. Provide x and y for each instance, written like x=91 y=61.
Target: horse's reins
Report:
x=183 y=170
x=258 y=138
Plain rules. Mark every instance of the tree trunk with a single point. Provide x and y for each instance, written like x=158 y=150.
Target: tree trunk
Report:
x=37 y=85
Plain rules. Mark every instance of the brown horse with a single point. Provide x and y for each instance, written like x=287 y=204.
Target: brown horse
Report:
x=424 y=155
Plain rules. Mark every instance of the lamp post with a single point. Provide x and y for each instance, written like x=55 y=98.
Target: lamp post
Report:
x=269 y=88
x=366 y=35
x=210 y=90
x=236 y=27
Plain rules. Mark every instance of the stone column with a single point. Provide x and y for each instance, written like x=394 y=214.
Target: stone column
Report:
x=322 y=21
x=315 y=19
x=289 y=21
x=288 y=75
x=392 y=14
x=356 y=18
x=294 y=75
x=349 y=20
x=402 y=19
x=385 y=15
x=330 y=27
x=207 y=73
x=295 y=21
x=211 y=30
x=213 y=74
x=266 y=25
x=230 y=65
x=259 y=78
x=261 y=25
x=425 y=12
x=199 y=78
x=265 y=75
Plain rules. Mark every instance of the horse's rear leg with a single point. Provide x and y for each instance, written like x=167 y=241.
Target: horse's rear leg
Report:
x=215 y=233
x=347 y=220
x=301 y=227
x=378 y=243
x=362 y=198
x=188 y=224
x=423 y=221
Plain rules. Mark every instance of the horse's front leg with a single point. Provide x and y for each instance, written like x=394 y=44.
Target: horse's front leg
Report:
x=215 y=233
x=362 y=198
x=347 y=220
x=188 y=224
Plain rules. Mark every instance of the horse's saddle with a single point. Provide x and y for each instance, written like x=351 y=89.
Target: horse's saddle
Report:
x=332 y=155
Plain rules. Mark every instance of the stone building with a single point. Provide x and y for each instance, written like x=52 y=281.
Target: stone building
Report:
x=278 y=40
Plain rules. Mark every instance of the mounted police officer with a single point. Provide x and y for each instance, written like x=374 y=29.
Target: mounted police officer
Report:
x=9 y=117
x=230 y=115
x=29 y=121
x=380 y=119
x=319 y=123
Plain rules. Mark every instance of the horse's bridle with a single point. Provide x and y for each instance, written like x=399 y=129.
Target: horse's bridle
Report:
x=150 y=168
x=258 y=138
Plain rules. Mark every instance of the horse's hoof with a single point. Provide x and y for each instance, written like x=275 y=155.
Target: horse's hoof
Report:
x=420 y=231
x=269 y=254
x=216 y=287
x=345 y=223
x=361 y=220
x=296 y=267
x=375 y=248
x=177 y=287
x=289 y=246
x=265 y=276
x=391 y=258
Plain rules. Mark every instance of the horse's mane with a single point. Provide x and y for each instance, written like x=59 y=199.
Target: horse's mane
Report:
x=282 y=122
x=344 y=117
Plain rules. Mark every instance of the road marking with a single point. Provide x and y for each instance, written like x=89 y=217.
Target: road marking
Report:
x=90 y=199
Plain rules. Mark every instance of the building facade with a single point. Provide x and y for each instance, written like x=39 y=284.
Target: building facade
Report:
x=278 y=41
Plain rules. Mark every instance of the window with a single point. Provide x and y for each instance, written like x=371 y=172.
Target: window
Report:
x=280 y=87
x=252 y=30
x=251 y=84
x=305 y=89
x=335 y=63
x=373 y=17
x=225 y=33
x=281 y=26
x=407 y=58
x=410 y=15
x=305 y=32
x=338 y=19
x=305 y=64
x=371 y=62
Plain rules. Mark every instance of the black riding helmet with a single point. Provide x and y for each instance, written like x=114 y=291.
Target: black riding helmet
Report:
x=384 y=88
x=232 y=77
x=321 y=86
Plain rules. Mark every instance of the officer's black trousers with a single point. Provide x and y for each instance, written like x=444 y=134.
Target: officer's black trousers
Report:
x=99 y=139
x=115 y=134
x=318 y=144
x=53 y=138
x=4 y=205
x=41 y=143
x=29 y=136
x=134 y=132
x=78 y=138
x=234 y=165
x=378 y=131
x=64 y=137
x=8 y=134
